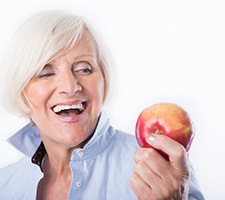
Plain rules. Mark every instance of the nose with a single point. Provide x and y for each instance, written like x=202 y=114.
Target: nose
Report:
x=68 y=84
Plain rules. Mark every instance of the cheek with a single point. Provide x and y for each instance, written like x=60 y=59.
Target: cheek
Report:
x=36 y=95
x=100 y=89
x=94 y=88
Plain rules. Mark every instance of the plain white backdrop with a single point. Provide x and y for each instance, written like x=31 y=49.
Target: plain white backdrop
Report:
x=170 y=51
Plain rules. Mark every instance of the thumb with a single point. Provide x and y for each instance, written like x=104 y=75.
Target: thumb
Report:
x=176 y=153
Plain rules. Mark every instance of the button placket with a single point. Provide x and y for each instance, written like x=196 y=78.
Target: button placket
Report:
x=76 y=167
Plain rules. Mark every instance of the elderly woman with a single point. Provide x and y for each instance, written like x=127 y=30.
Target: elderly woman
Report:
x=58 y=75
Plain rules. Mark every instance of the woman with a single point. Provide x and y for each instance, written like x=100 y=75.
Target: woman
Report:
x=59 y=74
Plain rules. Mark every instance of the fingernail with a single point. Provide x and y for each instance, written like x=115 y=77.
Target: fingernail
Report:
x=151 y=138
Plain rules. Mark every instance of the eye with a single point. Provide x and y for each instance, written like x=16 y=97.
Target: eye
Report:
x=83 y=68
x=46 y=72
x=45 y=75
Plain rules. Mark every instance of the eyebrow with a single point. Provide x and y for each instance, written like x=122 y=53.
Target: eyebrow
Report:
x=48 y=65
x=85 y=55
x=95 y=59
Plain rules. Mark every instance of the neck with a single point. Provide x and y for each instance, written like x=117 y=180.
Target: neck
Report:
x=57 y=161
x=54 y=167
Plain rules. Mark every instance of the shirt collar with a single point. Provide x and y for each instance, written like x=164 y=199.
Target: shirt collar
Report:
x=28 y=140
x=103 y=124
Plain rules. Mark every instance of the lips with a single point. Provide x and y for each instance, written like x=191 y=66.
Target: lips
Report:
x=70 y=109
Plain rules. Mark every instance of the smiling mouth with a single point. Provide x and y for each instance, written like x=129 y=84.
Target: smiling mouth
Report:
x=74 y=109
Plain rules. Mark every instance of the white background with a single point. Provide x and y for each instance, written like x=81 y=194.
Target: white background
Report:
x=170 y=51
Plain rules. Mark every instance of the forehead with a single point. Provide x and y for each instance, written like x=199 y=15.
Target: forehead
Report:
x=87 y=43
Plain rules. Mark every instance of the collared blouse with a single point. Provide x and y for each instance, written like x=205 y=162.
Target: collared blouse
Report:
x=100 y=170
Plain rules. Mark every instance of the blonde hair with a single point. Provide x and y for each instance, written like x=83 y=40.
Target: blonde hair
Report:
x=39 y=40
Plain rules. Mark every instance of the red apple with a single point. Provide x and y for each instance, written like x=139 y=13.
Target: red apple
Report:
x=165 y=118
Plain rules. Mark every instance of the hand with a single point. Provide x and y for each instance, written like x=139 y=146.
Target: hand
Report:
x=154 y=177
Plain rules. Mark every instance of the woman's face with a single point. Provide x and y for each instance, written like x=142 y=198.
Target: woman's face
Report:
x=66 y=97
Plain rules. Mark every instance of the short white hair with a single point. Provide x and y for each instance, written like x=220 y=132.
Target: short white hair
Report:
x=40 y=39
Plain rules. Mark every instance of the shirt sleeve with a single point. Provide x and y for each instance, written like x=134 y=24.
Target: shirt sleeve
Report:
x=194 y=191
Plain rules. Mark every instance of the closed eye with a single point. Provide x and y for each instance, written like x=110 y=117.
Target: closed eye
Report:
x=46 y=72
x=45 y=75
x=82 y=68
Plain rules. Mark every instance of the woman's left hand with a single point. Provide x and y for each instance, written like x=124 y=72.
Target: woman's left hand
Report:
x=156 y=178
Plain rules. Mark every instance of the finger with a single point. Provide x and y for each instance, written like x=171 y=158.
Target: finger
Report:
x=140 y=188
x=176 y=152
x=148 y=175
x=149 y=189
x=152 y=159
x=159 y=175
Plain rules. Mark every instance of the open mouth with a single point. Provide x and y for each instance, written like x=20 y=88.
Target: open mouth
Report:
x=74 y=109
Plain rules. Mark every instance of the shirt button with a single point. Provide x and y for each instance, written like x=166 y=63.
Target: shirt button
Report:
x=81 y=154
x=78 y=184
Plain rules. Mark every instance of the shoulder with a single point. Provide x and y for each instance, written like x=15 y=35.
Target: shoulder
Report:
x=21 y=176
x=24 y=164
x=124 y=143
x=125 y=137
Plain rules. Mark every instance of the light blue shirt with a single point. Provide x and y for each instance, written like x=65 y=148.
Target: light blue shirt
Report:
x=100 y=171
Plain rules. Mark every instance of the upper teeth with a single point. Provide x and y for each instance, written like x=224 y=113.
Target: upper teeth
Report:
x=67 y=107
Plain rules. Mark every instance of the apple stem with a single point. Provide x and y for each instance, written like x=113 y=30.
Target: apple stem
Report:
x=158 y=132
